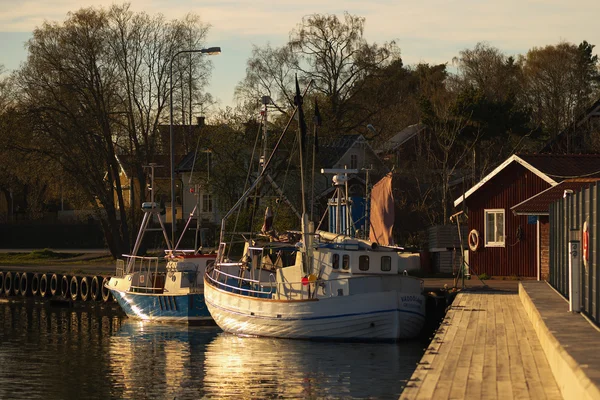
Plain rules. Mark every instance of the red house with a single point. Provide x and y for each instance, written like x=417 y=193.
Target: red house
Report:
x=500 y=242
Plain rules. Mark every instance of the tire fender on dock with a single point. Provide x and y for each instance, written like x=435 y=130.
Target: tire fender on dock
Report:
x=74 y=287
x=84 y=288
x=1 y=283
x=17 y=284
x=35 y=284
x=96 y=288
x=55 y=283
x=44 y=285
x=65 y=285
x=106 y=294
x=8 y=281
x=25 y=284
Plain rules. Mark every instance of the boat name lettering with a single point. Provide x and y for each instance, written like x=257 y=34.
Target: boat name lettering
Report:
x=412 y=298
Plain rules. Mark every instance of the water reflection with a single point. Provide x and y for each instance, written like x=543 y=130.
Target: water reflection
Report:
x=238 y=367
x=55 y=353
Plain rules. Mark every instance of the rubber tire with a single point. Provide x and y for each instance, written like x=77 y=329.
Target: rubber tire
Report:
x=35 y=284
x=84 y=288
x=1 y=283
x=44 y=286
x=25 y=284
x=17 y=284
x=106 y=294
x=8 y=284
x=55 y=282
x=74 y=288
x=65 y=285
x=96 y=288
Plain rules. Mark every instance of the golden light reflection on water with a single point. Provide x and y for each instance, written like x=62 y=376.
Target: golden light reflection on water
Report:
x=66 y=353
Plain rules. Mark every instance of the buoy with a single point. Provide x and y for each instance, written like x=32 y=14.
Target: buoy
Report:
x=96 y=288
x=24 y=287
x=35 y=284
x=55 y=284
x=17 y=284
x=74 y=288
x=106 y=295
x=8 y=281
x=84 y=288
x=1 y=283
x=65 y=286
x=44 y=287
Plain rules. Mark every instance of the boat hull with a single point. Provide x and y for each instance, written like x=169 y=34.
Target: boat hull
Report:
x=389 y=315
x=186 y=308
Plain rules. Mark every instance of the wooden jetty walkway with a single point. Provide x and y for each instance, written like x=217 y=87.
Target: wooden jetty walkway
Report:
x=486 y=348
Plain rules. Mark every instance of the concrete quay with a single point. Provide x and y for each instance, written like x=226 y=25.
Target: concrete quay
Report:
x=496 y=344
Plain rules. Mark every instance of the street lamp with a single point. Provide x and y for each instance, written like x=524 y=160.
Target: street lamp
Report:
x=210 y=51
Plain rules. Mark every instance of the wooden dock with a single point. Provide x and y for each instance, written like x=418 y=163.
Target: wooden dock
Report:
x=486 y=348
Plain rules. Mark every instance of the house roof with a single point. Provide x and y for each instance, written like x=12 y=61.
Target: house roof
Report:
x=331 y=152
x=552 y=168
x=540 y=203
x=400 y=138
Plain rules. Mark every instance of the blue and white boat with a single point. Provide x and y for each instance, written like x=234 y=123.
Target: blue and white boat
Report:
x=147 y=289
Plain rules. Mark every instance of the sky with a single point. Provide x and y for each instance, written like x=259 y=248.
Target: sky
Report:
x=432 y=31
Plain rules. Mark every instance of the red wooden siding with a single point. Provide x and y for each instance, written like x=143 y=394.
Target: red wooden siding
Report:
x=511 y=186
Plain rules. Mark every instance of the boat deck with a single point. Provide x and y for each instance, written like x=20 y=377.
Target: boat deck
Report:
x=486 y=348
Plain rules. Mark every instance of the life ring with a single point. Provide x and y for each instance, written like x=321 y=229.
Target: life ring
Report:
x=473 y=240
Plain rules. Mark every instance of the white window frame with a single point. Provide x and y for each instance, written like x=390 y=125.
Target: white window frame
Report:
x=353 y=161
x=485 y=225
x=207 y=197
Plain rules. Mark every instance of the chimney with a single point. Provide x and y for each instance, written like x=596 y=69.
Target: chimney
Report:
x=200 y=121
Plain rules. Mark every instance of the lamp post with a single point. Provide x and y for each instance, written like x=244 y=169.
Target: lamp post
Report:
x=210 y=51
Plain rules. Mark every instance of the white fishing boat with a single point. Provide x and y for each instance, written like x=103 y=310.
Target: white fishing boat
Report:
x=313 y=284
x=147 y=289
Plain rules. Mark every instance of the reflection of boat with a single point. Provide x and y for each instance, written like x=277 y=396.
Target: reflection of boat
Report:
x=250 y=367
x=172 y=357
x=313 y=285
x=172 y=293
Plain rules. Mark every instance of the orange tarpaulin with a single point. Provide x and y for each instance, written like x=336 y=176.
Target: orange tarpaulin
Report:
x=382 y=212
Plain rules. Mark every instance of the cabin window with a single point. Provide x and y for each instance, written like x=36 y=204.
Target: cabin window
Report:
x=494 y=228
x=346 y=261
x=335 y=261
x=207 y=205
x=363 y=263
x=353 y=161
x=386 y=263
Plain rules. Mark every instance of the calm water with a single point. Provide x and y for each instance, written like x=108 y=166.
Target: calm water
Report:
x=65 y=353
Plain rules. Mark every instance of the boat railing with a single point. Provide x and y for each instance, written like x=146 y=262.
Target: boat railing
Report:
x=238 y=284
x=120 y=269
x=145 y=275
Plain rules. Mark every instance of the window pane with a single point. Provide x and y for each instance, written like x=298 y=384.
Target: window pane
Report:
x=386 y=263
x=500 y=227
x=489 y=228
x=363 y=263
x=335 y=261
x=346 y=262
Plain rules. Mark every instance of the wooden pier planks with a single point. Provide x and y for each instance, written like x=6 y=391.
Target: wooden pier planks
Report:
x=486 y=348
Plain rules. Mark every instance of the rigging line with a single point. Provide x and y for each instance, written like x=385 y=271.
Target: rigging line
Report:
x=237 y=217
x=287 y=170
x=194 y=161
